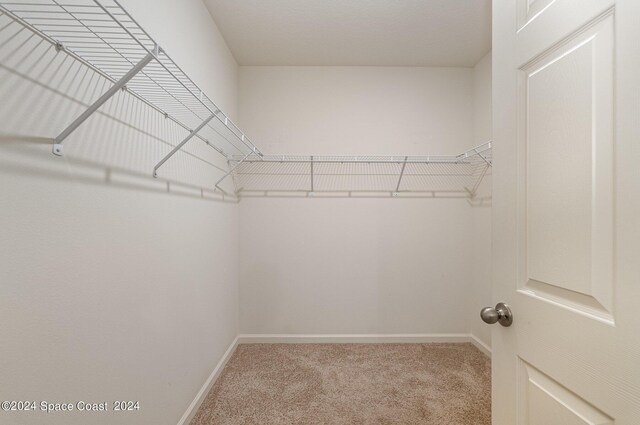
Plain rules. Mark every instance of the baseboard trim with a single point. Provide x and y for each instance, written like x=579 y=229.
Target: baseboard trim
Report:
x=197 y=401
x=350 y=338
x=480 y=345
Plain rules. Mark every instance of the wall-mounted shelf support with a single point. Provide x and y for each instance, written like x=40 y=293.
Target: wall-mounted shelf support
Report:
x=120 y=84
x=231 y=170
x=182 y=143
x=395 y=176
x=480 y=151
x=404 y=165
x=103 y=37
x=472 y=193
x=311 y=163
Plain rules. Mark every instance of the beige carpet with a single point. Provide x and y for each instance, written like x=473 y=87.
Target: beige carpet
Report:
x=439 y=384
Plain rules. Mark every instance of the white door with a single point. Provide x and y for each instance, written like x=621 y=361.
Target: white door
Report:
x=566 y=201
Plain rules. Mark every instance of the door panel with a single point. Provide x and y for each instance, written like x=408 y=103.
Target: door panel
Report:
x=566 y=110
x=546 y=402
x=530 y=9
x=547 y=22
x=566 y=211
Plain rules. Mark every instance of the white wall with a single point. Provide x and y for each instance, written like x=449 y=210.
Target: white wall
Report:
x=113 y=286
x=357 y=110
x=482 y=131
x=356 y=265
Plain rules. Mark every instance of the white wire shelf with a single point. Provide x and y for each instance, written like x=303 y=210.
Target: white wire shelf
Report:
x=434 y=176
x=101 y=35
x=104 y=37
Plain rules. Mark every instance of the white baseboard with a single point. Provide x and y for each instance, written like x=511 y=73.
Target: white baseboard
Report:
x=480 y=345
x=195 y=404
x=350 y=338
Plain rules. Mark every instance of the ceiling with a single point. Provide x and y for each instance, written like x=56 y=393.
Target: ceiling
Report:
x=355 y=32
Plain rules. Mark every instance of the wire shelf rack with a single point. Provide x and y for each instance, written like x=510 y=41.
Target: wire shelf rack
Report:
x=103 y=36
x=433 y=176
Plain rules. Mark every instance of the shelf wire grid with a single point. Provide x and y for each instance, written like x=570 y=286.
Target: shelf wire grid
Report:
x=452 y=176
x=103 y=36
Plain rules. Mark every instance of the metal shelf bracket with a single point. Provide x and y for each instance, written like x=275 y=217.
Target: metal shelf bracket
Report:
x=231 y=170
x=103 y=37
x=453 y=176
x=182 y=143
x=311 y=163
x=120 y=84
x=404 y=165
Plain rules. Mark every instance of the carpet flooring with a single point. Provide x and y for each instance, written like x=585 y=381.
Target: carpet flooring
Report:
x=277 y=384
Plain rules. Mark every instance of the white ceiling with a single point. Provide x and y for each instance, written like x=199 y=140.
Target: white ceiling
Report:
x=355 y=32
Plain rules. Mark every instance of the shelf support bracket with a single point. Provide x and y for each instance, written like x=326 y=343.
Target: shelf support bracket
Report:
x=231 y=170
x=120 y=84
x=404 y=164
x=311 y=173
x=472 y=192
x=484 y=159
x=182 y=143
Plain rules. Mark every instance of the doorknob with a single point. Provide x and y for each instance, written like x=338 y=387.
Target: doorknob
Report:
x=501 y=314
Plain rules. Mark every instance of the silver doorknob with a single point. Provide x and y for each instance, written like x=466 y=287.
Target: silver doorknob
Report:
x=501 y=314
